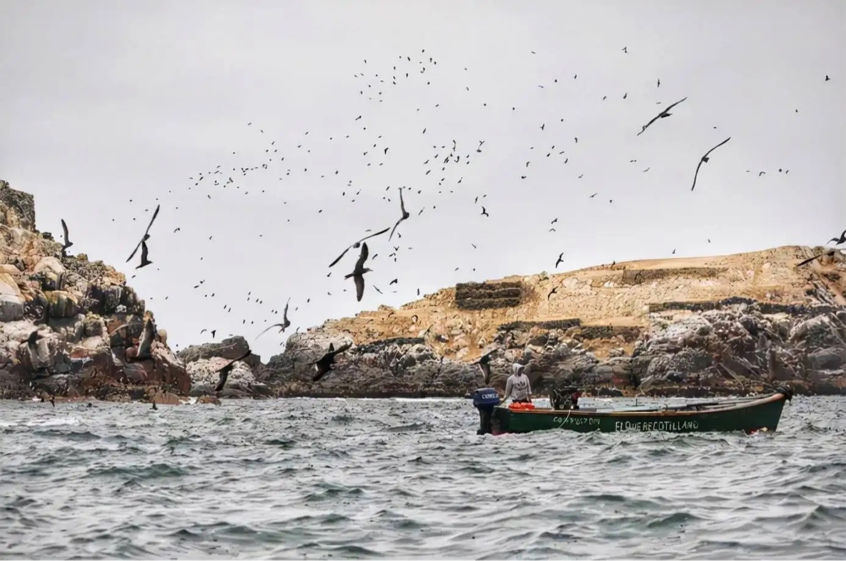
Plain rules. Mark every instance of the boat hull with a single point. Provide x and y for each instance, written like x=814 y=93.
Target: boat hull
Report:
x=750 y=416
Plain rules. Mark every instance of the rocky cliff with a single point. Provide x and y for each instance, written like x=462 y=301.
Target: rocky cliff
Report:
x=77 y=307
x=696 y=326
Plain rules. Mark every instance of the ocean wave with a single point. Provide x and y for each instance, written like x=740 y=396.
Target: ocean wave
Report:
x=409 y=478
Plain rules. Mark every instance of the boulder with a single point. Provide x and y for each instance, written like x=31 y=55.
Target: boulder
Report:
x=11 y=300
x=49 y=264
x=827 y=359
x=61 y=304
x=231 y=348
x=11 y=307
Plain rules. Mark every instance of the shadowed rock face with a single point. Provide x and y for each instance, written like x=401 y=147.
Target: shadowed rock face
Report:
x=75 y=304
x=706 y=326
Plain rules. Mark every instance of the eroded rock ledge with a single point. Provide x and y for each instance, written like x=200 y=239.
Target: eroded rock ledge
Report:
x=77 y=306
x=707 y=326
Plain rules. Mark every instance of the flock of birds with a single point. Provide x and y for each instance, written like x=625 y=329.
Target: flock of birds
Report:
x=445 y=158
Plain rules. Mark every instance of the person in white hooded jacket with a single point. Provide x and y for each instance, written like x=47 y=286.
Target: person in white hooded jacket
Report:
x=518 y=387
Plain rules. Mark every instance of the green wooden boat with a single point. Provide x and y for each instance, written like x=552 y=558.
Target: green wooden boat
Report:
x=760 y=413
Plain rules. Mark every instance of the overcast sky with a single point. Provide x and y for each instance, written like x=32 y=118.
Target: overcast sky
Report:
x=108 y=108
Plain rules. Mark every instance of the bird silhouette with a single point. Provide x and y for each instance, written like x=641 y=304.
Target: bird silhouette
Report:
x=282 y=326
x=67 y=243
x=485 y=212
x=840 y=240
x=560 y=259
x=34 y=337
x=806 y=261
x=663 y=114
x=358 y=272
x=144 y=260
x=146 y=234
x=223 y=373
x=704 y=160
x=404 y=216
x=484 y=364
x=357 y=244
x=325 y=363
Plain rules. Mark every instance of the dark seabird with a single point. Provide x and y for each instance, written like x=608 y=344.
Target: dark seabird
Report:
x=704 y=160
x=146 y=233
x=839 y=241
x=67 y=243
x=484 y=364
x=358 y=272
x=144 y=260
x=560 y=259
x=34 y=337
x=551 y=292
x=358 y=243
x=226 y=370
x=325 y=363
x=806 y=261
x=282 y=326
x=485 y=212
x=661 y=115
x=404 y=216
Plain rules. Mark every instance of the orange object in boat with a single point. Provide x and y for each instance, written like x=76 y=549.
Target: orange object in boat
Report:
x=521 y=406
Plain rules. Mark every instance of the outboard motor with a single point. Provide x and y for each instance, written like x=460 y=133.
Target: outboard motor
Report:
x=485 y=399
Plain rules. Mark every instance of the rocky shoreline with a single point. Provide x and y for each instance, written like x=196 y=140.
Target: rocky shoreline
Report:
x=100 y=341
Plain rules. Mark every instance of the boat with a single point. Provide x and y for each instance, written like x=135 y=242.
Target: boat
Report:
x=749 y=414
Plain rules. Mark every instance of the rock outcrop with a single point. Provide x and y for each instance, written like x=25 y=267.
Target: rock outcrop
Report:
x=246 y=378
x=704 y=326
x=77 y=307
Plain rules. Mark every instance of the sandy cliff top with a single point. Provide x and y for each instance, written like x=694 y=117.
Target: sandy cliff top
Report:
x=461 y=321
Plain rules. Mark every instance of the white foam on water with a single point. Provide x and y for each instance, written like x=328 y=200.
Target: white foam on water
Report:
x=56 y=422
x=426 y=399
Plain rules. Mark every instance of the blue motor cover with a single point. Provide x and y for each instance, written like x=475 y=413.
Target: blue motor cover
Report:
x=485 y=396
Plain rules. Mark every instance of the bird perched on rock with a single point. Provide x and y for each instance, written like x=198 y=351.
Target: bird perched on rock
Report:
x=358 y=272
x=357 y=244
x=223 y=373
x=404 y=216
x=325 y=363
x=282 y=326
x=146 y=236
x=704 y=160
x=663 y=114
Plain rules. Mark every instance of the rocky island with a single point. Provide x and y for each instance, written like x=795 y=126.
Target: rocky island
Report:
x=688 y=326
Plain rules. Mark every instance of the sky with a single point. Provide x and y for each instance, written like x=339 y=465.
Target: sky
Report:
x=110 y=108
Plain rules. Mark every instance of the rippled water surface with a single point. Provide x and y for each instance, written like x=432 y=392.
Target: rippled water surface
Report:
x=394 y=478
